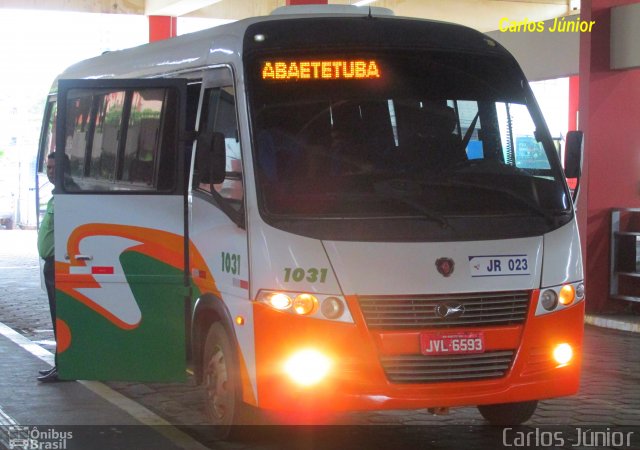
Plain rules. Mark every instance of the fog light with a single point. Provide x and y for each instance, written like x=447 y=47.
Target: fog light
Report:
x=567 y=295
x=305 y=304
x=549 y=299
x=307 y=367
x=563 y=353
x=332 y=308
x=580 y=291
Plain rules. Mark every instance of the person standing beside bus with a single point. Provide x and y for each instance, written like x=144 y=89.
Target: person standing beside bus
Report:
x=46 y=252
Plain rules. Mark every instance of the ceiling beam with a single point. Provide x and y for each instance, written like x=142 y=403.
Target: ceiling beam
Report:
x=175 y=8
x=93 y=6
x=239 y=9
x=483 y=15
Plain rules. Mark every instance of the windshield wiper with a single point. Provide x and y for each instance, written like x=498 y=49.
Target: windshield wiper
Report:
x=426 y=213
x=397 y=189
x=549 y=217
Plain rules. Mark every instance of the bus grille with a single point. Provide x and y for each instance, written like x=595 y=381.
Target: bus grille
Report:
x=476 y=309
x=432 y=369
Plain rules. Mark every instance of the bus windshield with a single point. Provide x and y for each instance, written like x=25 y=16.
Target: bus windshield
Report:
x=441 y=139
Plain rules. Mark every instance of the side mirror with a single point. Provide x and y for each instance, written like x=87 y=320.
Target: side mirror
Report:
x=211 y=157
x=573 y=160
x=573 y=154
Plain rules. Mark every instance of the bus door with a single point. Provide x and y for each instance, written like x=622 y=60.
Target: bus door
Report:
x=218 y=231
x=121 y=259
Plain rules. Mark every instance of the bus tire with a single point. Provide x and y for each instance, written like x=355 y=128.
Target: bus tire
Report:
x=221 y=381
x=508 y=414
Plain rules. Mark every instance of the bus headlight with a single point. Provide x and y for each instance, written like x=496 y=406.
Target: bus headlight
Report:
x=549 y=299
x=567 y=295
x=307 y=367
x=332 y=308
x=280 y=301
x=557 y=298
x=318 y=306
x=305 y=304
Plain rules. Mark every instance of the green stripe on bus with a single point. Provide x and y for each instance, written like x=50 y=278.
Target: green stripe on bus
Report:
x=153 y=351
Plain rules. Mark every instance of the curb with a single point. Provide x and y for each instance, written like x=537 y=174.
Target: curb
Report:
x=622 y=323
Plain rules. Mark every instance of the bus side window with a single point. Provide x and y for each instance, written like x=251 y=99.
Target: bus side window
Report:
x=47 y=146
x=79 y=111
x=104 y=139
x=48 y=139
x=219 y=115
x=143 y=135
x=193 y=100
x=121 y=140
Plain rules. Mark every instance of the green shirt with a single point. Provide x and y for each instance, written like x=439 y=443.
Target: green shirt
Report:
x=45 y=233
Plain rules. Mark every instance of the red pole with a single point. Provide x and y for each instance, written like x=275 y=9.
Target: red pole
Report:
x=162 y=27
x=574 y=97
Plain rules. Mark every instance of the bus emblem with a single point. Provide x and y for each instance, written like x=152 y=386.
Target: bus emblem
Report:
x=445 y=266
x=449 y=310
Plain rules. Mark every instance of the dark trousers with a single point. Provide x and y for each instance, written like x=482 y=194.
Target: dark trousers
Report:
x=49 y=281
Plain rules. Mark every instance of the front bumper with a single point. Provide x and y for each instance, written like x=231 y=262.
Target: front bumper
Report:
x=357 y=379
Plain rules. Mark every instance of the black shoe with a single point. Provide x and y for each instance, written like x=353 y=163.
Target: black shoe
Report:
x=50 y=377
x=46 y=371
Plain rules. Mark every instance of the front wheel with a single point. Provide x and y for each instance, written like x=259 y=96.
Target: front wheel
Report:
x=508 y=414
x=221 y=381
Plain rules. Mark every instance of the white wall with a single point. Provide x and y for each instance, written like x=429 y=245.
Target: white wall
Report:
x=543 y=55
x=625 y=36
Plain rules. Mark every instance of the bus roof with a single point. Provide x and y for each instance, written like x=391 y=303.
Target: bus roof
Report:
x=223 y=44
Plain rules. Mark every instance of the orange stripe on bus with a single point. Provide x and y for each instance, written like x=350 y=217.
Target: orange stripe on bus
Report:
x=157 y=244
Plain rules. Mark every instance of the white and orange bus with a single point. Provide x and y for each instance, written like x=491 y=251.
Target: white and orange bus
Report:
x=315 y=212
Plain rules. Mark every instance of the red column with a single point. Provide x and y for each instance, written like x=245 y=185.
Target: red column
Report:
x=574 y=101
x=307 y=2
x=162 y=27
x=609 y=117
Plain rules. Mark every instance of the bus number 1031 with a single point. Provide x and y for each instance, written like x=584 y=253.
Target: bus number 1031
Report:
x=298 y=274
x=231 y=263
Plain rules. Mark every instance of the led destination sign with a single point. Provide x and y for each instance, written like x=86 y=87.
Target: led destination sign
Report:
x=358 y=69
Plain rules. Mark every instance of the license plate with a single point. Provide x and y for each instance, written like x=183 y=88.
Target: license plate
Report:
x=499 y=266
x=451 y=343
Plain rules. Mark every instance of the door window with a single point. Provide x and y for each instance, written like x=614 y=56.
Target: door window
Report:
x=121 y=139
